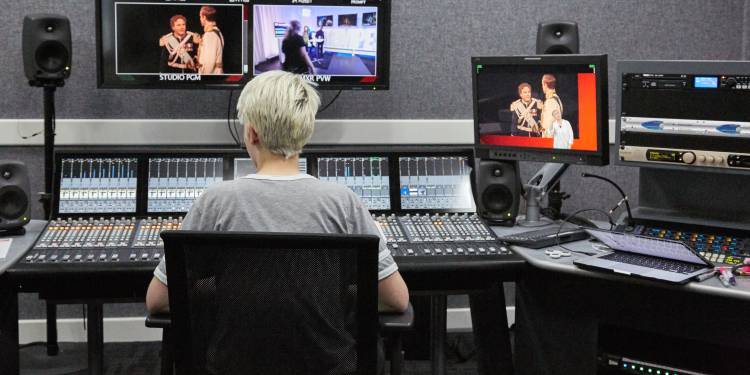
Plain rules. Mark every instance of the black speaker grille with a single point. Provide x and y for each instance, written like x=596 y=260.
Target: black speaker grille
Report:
x=497 y=199
x=13 y=202
x=51 y=56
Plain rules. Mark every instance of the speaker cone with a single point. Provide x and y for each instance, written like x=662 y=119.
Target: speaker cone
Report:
x=497 y=199
x=51 y=56
x=13 y=202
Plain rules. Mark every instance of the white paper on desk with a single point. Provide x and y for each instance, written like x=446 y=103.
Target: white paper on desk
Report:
x=5 y=246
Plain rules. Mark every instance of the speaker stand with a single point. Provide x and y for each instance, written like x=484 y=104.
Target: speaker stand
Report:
x=12 y=232
x=536 y=188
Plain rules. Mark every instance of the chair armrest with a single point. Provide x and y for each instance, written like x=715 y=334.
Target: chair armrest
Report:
x=396 y=322
x=160 y=320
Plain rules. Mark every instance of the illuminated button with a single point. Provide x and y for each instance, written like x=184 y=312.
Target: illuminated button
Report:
x=78 y=257
x=102 y=257
x=42 y=257
x=460 y=250
x=66 y=257
x=115 y=257
x=471 y=250
x=427 y=251
x=157 y=256
x=144 y=256
x=132 y=256
x=409 y=251
x=90 y=257
x=29 y=258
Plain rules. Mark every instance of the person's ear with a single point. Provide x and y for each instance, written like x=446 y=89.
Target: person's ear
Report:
x=251 y=136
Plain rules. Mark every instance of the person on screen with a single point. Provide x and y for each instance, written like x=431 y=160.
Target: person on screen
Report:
x=562 y=132
x=278 y=112
x=296 y=59
x=179 y=48
x=210 y=60
x=552 y=102
x=306 y=33
x=320 y=38
x=526 y=112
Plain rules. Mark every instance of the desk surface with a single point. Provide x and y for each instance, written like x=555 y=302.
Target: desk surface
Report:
x=538 y=259
x=22 y=243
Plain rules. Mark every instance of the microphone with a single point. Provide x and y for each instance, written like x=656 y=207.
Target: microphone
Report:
x=629 y=221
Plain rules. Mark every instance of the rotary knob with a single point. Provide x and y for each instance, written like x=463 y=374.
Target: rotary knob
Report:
x=711 y=158
x=702 y=158
x=731 y=82
x=688 y=157
x=719 y=159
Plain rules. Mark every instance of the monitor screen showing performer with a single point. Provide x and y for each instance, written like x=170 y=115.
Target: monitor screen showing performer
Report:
x=163 y=44
x=542 y=108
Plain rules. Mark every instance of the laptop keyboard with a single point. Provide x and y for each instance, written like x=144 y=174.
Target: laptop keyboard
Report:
x=653 y=262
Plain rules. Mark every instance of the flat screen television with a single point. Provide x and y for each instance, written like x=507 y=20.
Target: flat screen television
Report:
x=339 y=44
x=173 y=44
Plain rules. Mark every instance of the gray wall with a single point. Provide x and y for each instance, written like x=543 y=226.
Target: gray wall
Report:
x=431 y=42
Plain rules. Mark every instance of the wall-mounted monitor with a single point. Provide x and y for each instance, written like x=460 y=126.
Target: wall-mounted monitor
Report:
x=337 y=44
x=171 y=44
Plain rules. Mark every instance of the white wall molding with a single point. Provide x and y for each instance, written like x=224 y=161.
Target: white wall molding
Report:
x=132 y=329
x=215 y=132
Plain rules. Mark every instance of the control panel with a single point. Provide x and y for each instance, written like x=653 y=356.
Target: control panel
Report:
x=439 y=235
x=101 y=241
x=716 y=247
x=366 y=176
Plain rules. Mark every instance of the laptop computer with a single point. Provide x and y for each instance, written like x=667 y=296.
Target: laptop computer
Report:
x=647 y=257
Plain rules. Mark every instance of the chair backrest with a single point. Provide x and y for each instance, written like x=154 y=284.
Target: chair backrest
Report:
x=273 y=303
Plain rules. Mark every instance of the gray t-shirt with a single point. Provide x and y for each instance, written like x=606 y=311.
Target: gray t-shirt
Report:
x=301 y=203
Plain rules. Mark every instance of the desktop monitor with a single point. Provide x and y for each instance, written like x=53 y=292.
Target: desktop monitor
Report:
x=101 y=185
x=366 y=175
x=174 y=183
x=684 y=115
x=172 y=44
x=336 y=44
x=435 y=182
x=550 y=108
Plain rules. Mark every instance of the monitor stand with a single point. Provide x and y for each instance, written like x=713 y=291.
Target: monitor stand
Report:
x=536 y=189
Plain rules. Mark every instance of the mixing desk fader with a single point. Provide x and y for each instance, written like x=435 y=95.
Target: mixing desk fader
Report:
x=459 y=236
x=68 y=244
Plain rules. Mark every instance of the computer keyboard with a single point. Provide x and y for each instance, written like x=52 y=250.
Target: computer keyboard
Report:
x=653 y=262
x=546 y=237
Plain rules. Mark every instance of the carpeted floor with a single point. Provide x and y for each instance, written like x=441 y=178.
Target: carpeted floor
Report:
x=142 y=358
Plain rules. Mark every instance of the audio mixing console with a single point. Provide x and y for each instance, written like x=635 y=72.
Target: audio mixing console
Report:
x=715 y=246
x=458 y=236
x=71 y=243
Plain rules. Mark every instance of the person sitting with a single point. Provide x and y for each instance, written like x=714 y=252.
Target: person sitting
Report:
x=278 y=111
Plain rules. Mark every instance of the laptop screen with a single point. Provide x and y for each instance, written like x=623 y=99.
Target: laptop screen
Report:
x=647 y=246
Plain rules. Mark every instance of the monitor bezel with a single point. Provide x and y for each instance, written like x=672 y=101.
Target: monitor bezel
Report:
x=598 y=157
x=384 y=41
x=111 y=82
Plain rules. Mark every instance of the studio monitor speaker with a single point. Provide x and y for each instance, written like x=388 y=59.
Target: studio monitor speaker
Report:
x=498 y=191
x=14 y=195
x=557 y=37
x=47 y=49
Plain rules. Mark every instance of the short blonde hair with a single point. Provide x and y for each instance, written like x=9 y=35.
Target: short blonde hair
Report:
x=281 y=107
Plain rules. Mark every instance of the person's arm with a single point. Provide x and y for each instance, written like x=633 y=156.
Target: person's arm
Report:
x=208 y=52
x=393 y=294
x=308 y=62
x=157 y=297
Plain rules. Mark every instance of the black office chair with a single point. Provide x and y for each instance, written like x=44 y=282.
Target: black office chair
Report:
x=272 y=303
x=392 y=326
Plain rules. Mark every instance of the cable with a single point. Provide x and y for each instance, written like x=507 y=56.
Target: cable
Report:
x=567 y=218
x=622 y=193
x=229 y=118
x=331 y=102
